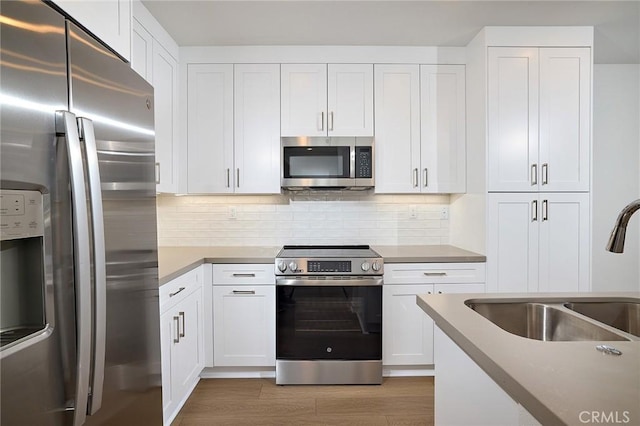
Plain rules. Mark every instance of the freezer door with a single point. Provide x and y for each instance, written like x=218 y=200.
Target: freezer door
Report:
x=118 y=106
x=37 y=371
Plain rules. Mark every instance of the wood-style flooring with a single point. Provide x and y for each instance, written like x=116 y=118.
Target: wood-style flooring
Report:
x=398 y=401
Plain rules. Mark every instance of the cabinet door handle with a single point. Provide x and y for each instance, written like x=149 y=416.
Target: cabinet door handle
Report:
x=545 y=174
x=244 y=292
x=415 y=178
x=157 y=173
x=238 y=177
x=435 y=274
x=228 y=178
x=179 y=290
x=321 y=124
x=330 y=123
x=545 y=210
x=177 y=338
x=181 y=314
x=534 y=174
x=534 y=211
x=426 y=177
x=439 y=292
x=245 y=275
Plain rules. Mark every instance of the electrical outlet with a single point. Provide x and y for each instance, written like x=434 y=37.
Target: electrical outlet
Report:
x=413 y=212
x=233 y=212
x=444 y=213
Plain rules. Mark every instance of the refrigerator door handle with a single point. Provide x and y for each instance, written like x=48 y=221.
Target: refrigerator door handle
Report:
x=67 y=127
x=100 y=274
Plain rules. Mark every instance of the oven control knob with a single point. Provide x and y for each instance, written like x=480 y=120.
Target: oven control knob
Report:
x=365 y=266
x=293 y=266
x=282 y=266
x=375 y=266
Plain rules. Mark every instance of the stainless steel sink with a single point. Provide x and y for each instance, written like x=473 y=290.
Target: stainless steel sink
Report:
x=624 y=316
x=541 y=321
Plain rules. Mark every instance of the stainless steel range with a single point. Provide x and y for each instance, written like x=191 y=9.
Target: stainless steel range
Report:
x=329 y=315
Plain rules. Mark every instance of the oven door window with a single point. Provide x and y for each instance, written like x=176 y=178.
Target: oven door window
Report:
x=306 y=162
x=326 y=323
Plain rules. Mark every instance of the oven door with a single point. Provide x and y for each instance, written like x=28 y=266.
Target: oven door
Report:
x=328 y=321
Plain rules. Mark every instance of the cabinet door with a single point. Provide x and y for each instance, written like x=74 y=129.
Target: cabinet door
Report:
x=165 y=84
x=513 y=119
x=565 y=81
x=109 y=20
x=168 y=331
x=210 y=128
x=304 y=100
x=459 y=288
x=350 y=100
x=564 y=242
x=188 y=355
x=244 y=326
x=407 y=337
x=443 y=148
x=142 y=51
x=257 y=132
x=512 y=243
x=397 y=128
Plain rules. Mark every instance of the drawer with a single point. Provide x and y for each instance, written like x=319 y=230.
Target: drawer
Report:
x=243 y=274
x=179 y=288
x=433 y=273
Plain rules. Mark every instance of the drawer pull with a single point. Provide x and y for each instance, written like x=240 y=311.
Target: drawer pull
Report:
x=252 y=275
x=179 y=290
x=435 y=274
x=244 y=292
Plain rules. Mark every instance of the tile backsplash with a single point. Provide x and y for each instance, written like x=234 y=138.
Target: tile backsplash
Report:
x=311 y=218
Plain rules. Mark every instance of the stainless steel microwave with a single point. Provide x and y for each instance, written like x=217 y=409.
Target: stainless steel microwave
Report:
x=327 y=163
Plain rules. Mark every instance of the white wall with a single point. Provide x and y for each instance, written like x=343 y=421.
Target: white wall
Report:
x=616 y=173
x=272 y=220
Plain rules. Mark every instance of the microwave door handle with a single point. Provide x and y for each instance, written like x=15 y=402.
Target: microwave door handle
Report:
x=100 y=275
x=66 y=127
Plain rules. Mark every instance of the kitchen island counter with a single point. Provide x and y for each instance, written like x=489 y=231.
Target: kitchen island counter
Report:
x=557 y=382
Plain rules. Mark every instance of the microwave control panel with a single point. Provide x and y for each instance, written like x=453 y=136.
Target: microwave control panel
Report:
x=364 y=160
x=21 y=214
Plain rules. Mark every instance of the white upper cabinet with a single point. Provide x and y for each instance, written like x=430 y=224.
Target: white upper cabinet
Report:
x=109 y=20
x=257 y=130
x=327 y=100
x=210 y=128
x=420 y=128
x=443 y=149
x=397 y=128
x=538 y=119
x=157 y=63
x=233 y=131
x=141 y=50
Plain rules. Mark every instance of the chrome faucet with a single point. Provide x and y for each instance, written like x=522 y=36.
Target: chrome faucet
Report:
x=616 y=240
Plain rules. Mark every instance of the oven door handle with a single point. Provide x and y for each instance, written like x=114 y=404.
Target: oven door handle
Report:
x=351 y=282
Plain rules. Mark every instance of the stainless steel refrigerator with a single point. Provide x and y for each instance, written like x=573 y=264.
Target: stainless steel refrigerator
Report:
x=79 y=321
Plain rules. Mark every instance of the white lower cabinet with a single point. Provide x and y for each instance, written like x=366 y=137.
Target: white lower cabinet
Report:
x=181 y=334
x=466 y=395
x=407 y=336
x=244 y=316
x=538 y=242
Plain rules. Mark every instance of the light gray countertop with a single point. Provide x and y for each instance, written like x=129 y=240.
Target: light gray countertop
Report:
x=554 y=381
x=175 y=261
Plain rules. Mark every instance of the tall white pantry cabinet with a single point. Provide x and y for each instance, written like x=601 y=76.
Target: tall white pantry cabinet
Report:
x=536 y=190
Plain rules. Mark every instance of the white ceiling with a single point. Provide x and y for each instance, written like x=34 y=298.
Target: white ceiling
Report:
x=391 y=22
